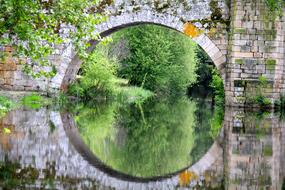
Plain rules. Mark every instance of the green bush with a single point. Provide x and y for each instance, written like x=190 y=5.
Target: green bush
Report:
x=5 y=105
x=97 y=77
x=160 y=60
x=218 y=87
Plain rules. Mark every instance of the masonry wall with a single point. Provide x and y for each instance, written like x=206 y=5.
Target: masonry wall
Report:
x=252 y=145
x=256 y=54
x=12 y=77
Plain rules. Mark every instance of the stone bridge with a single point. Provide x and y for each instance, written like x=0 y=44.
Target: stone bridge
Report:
x=245 y=44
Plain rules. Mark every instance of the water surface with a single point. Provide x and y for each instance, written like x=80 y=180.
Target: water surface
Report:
x=156 y=145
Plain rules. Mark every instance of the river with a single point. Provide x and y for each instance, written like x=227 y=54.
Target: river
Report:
x=160 y=144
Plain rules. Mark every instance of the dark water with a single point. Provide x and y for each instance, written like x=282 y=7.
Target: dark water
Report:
x=157 y=145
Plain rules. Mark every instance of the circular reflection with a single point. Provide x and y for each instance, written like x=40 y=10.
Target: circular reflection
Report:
x=157 y=138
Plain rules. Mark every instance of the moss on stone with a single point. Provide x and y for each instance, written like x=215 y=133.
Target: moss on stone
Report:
x=239 y=61
x=270 y=64
x=239 y=31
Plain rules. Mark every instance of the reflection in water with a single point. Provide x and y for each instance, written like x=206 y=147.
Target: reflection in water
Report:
x=40 y=150
x=255 y=150
x=153 y=139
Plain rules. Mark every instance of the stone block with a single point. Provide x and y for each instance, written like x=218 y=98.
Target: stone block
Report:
x=18 y=75
x=7 y=87
x=242 y=54
x=18 y=88
x=2 y=81
x=7 y=74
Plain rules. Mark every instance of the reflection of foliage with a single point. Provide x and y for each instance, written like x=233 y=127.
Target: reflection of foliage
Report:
x=258 y=97
x=10 y=178
x=160 y=137
x=5 y=105
x=142 y=140
x=96 y=120
x=257 y=123
x=33 y=101
x=203 y=138
x=14 y=176
x=219 y=99
x=133 y=94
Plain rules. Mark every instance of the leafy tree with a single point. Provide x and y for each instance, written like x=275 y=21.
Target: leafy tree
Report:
x=205 y=67
x=97 y=76
x=160 y=60
x=34 y=27
x=219 y=99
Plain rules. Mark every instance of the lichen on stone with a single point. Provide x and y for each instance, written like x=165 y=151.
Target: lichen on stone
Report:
x=191 y=30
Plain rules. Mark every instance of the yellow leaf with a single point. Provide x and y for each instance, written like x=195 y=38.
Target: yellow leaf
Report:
x=191 y=30
x=6 y=131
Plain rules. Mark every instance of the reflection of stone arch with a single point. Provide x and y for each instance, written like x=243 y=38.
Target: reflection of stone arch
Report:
x=116 y=23
x=122 y=181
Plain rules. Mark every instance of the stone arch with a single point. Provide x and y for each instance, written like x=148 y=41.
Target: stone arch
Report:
x=116 y=23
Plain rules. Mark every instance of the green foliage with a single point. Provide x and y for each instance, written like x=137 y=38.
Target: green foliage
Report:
x=204 y=70
x=133 y=94
x=218 y=87
x=13 y=176
x=267 y=150
x=34 y=101
x=262 y=101
x=98 y=80
x=158 y=135
x=32 y=28
x=219 y=99
x=280 y=104
x=259 y=98
x=97 y=77
x=275 y=6
x=160 y=60
x=203 y=129
x=5 y=105
x=262 y=81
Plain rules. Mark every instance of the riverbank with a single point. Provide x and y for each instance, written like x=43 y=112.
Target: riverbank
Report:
x=10 y=100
